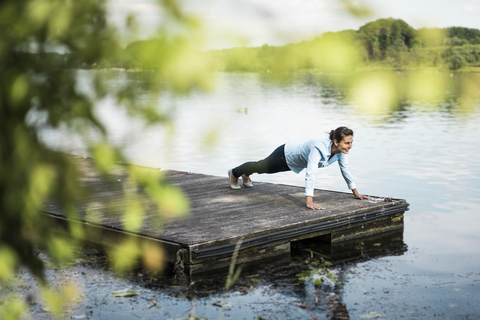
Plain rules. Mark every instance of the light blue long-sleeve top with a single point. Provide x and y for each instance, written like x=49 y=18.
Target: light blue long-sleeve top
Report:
x=314 y=154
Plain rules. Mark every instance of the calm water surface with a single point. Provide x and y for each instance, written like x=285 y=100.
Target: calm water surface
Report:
x=424 y=151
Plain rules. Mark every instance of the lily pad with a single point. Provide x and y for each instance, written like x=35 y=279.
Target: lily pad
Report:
x=124 y=293
x=372 y=315
x=222 y=304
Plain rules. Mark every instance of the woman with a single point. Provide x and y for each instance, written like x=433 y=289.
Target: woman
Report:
x=296 y=156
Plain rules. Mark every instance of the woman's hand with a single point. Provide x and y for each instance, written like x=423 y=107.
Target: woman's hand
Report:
x=312 y=205
x=360 y=196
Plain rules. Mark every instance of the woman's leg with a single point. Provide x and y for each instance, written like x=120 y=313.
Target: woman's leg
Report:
x=274 y=163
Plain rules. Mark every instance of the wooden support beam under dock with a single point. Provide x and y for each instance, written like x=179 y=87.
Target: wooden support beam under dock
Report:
x=266 y=218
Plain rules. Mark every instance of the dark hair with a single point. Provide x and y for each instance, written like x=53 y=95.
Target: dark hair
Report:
x=340 y=133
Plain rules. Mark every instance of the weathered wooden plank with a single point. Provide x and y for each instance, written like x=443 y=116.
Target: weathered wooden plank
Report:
x=224 y=261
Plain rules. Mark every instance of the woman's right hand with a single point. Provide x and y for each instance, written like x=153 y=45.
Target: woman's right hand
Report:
x=312 y=205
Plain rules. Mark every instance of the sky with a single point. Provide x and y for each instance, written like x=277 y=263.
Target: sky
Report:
x=232 y=23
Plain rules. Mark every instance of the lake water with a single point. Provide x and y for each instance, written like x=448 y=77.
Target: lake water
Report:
x=423 y=149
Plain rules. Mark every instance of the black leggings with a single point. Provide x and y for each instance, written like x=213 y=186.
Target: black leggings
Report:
x=274 y=163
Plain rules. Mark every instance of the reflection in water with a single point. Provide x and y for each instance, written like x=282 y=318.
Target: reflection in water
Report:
x=317 y=254
x=356 y=250
x=415 y=140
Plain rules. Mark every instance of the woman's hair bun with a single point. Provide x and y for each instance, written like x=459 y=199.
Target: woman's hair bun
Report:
x=340 y=133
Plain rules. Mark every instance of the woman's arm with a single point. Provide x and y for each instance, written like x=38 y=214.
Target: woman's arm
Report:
x=343 y=163
x=314 y=206
x=359 y=196
x=311 y=171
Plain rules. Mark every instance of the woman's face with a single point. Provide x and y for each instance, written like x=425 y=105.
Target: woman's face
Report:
x=345 y=145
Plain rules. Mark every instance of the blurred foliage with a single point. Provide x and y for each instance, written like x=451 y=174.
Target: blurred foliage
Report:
x=232 y=274
x=357 y=9
x=42 y=44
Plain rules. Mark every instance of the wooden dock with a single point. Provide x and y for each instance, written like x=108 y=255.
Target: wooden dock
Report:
x=266 y=218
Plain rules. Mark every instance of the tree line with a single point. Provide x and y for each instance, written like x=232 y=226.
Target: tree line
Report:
x=388 y=43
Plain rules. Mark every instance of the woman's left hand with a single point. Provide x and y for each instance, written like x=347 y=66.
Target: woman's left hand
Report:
x=360 y=196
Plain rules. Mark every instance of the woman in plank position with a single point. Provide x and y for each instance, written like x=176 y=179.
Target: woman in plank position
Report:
x=299 y=155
